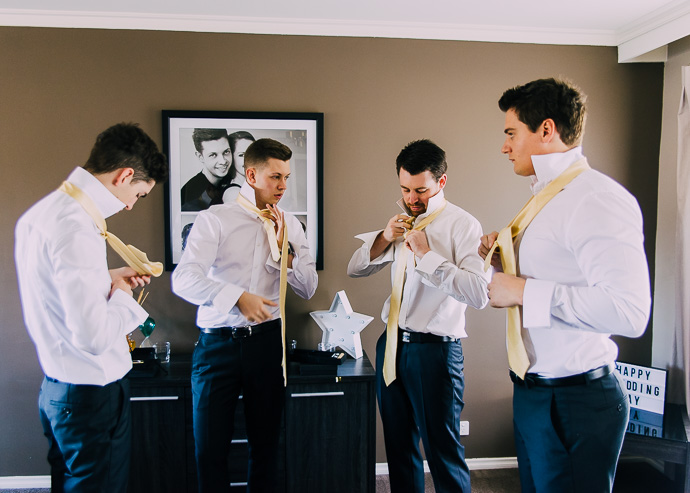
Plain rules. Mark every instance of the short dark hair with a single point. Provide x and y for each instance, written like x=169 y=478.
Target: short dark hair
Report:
x=559 y=100
x=201 y=135
x=235 y=137
x=125 y=145
x=420 y=156
x=260 y=151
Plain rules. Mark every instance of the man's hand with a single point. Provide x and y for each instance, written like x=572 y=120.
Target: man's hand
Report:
x=253 y=307
x=396 y=227
x=126 y=279
x=486 y=242
x=279 y=219
x=506 y=290
x=417 y=242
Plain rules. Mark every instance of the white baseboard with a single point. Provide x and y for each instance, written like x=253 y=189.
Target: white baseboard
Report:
x=473 y=464
x=511 y=463
x=25 y=482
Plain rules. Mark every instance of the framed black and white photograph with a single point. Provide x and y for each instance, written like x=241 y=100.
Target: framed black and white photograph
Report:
x=206 y=154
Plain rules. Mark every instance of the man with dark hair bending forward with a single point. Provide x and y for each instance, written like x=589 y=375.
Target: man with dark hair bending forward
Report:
x=236 y=259
x=571 y=270
x=78 y=313
x=436 y=273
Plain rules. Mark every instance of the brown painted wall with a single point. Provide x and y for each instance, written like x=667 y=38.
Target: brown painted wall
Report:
x=59 y=88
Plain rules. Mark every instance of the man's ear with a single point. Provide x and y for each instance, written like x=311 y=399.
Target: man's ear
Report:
x=250 y=175
x=548 y=130
x=123 y=176
x=442 y=181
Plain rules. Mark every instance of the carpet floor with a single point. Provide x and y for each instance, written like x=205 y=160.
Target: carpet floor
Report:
x=631 y=477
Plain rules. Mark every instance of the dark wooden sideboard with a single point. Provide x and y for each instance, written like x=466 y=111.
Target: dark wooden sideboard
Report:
x=672 y=447
x=328 y=435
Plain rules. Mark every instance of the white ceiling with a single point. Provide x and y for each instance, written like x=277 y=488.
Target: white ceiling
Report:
x=639 y=28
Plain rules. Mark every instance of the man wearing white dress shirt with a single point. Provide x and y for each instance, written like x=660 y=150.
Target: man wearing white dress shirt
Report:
x=444 y=275
x=228 y=270
x=78 y=313
x=582 y=276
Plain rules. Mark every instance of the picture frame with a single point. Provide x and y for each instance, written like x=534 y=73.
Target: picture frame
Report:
x=187 y=192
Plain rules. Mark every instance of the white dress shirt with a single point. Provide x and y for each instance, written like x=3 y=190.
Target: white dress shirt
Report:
x=445 y=280
x=228 y=253
x=587 y=274
x=64 y=284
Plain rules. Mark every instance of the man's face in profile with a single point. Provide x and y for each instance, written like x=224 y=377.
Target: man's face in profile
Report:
x=216 y=157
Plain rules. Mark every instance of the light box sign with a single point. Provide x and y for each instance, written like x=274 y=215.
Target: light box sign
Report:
x=646 y=392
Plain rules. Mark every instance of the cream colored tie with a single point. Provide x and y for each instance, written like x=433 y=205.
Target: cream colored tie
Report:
x=518 y=360
x=134 y=257
x=390 y=357
x=277 y=254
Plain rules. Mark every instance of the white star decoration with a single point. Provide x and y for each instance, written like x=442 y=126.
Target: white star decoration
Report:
x=341 y=326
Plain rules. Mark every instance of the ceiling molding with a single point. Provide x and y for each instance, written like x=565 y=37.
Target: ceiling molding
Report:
x=643 y=39
x=306 y=27
x=640 y=41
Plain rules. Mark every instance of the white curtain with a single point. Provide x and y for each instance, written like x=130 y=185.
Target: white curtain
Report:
x=679 y=383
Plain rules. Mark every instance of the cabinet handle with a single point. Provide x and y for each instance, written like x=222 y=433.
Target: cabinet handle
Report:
x=155 y=398
x=318 y=394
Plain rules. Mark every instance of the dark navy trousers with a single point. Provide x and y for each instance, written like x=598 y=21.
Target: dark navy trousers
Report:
x=425 y=401
x=222 y=369
x=89 y=435
x=568 y=439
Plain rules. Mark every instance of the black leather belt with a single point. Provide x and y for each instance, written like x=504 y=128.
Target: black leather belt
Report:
x=242 y=331
x=406 y=336
x=534 y=380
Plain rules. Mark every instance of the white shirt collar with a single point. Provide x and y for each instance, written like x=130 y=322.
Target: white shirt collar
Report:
x=548 y=166
x=104 y=199
x=434 y=203
x=248 y=192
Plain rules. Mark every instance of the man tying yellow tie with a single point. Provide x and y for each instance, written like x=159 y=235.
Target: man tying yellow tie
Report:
x=436 y=273
x=78 y=311
x=239 y=258
x=572 y=272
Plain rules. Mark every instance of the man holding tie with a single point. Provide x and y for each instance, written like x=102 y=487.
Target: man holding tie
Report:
x=436 y=273
x=572 y=271
x=78 y=311
x=239 y=258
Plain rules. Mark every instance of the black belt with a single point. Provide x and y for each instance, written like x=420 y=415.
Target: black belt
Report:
x=243 y=331
x=406 y=336
x=534 y=380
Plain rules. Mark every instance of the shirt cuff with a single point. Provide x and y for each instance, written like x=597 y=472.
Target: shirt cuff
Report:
x=388 y=254
x=430 y=262
x=139 y=315
x=536 y=303
x=227 y=298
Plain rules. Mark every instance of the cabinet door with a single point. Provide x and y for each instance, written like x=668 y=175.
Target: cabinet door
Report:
x=159 y=455
x=329 y=438
x=239 y=454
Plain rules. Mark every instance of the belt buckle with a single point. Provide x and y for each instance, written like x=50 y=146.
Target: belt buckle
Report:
x=241 y=332
x=405 y=337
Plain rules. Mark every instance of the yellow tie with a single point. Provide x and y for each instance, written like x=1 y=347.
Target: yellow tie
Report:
x=134 y=257
x=265 y=216
x=390 y=357
x=518 y=360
